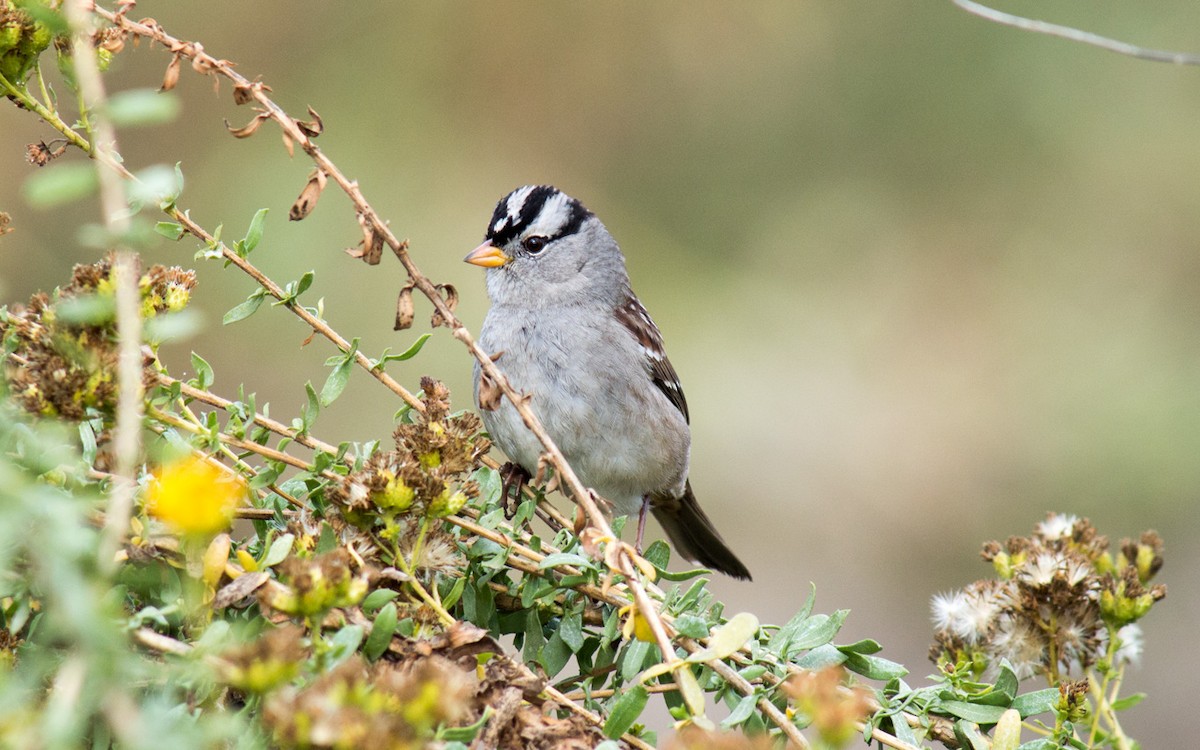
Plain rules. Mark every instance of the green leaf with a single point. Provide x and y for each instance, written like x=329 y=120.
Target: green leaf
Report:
x=682 y=575
x=255 y=233
x=1041 y=743
x=1128 y=701
x=728 y=639
x=742 y=711
x=782 y=637
x=564 y=558
x=658 y=554
x=311 y=408
x=817 y=630
x=61 y=183
x=344 y=643
x=305 y=282
x=155 y=184
x=970 y=737
x=1006 y=684
x=87 y=310
x=381 y=632
x=245 y=309
x=408 y=353
x=456 y=591
x=691 y=626
x=87 y=441
x=173 y=326
x=204 y=372
x=377 y=599
x=328 y=540
x=821 y=657
x=626 y=711
x=142 y=107
x=459 y=735
x=489 y=485
x=169 y=229
x=555 y=654
x=336 y=382
x=689 y=690
x=1037 y=702
x=874 y=667
x=633 y=659
x=534 y=637
x=571 y=630
x=279 y=550
x=970 y=711
x=866 y=646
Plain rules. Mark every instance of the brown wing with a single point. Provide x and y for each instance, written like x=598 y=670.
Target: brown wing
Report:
x=634 y=317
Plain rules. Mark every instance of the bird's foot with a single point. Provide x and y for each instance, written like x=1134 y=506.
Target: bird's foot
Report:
x=512 y=478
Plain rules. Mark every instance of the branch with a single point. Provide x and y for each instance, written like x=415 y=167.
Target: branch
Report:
x=1077 y=35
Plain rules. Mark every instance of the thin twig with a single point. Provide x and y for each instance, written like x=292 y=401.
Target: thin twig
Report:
x=1077 y=35
x=224 y=404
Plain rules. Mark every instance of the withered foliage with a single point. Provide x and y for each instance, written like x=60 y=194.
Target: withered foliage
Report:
x=397 y=702
x=61 y=367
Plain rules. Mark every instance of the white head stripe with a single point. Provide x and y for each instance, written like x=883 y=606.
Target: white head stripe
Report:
x=516 y=201
x=555 y=214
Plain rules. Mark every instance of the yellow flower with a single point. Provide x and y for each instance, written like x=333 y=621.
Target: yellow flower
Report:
x=194 y=497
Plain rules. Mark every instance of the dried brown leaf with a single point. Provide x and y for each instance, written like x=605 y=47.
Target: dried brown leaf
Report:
x=242 y=93
x=307 y=200
x=171 y=77
x=200 y=63
x=250 y=128
x=374 y=251
x=311 y=128
x=451 y=298
x=490 y=394
x=241 y=587
x=405 y=311
x=289 y=144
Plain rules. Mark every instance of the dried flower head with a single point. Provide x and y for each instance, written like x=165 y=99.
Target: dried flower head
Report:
x=314 y=585
x=381 y=707
x=266 y=663
x=62 y=347
x=424 y=477
x=1061 y=605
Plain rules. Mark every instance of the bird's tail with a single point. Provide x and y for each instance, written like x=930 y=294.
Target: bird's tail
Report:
x=694 y=536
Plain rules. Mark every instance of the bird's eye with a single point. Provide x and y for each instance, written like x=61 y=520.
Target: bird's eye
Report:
x=534 y=244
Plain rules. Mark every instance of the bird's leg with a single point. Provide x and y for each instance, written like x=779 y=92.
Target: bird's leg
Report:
x=642 y=522
x=512 y=476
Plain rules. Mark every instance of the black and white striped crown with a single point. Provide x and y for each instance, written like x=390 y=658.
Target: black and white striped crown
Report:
x=535 y=210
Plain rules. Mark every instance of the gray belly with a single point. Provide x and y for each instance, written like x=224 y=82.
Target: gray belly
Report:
x=619 y=433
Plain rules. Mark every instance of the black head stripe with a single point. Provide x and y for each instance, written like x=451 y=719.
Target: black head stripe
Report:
x=520 y=209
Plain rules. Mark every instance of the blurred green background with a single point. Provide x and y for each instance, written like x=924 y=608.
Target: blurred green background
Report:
x=924 y=277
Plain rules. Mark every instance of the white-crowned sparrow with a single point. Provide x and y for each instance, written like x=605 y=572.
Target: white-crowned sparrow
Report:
x=570 y=333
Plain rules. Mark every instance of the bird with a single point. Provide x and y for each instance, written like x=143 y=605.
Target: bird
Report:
x=566 y=329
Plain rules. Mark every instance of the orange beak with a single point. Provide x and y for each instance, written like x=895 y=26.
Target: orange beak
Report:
x=487 y=255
